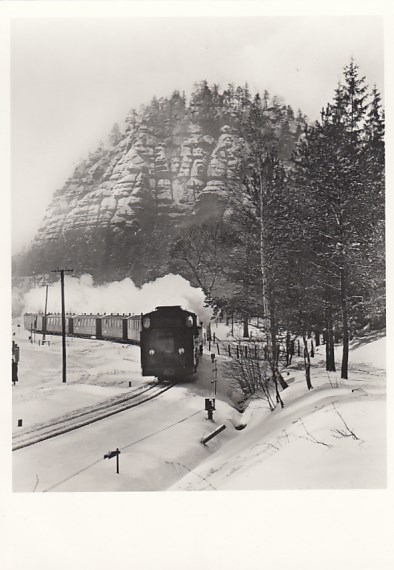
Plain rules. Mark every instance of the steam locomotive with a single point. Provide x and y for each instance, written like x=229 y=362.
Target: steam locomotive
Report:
x=169 y=337
x=170 y=343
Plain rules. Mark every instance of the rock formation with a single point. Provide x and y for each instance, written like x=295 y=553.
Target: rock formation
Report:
x=116 y=214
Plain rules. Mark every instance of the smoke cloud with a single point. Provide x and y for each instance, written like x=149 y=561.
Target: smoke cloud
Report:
x=82 y=296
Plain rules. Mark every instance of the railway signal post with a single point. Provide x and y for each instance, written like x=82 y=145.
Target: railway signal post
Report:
x=62 y=272
x=210 y=407
x=214 y=380
x=111 y=454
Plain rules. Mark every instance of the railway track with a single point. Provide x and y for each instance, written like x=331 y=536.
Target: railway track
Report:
x=85 y=416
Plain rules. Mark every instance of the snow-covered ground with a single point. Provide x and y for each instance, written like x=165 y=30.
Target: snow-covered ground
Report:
x=333 y=436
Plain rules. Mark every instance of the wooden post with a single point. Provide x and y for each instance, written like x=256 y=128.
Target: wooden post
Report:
x=112 y=454
x=213 y=434
x=62 y=271
x=44 y=322
x=117 y=460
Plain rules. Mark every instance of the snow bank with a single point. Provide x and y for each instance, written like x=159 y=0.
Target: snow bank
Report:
x=373 y=352
x=330 y=437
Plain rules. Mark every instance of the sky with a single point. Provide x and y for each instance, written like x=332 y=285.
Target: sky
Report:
x=73 y=78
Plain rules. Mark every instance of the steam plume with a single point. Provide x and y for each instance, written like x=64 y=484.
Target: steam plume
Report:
x=82 y=296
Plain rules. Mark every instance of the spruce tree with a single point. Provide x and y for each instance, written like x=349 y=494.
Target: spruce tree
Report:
x=337 y=180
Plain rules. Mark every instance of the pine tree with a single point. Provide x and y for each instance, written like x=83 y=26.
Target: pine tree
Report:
x=334 y=176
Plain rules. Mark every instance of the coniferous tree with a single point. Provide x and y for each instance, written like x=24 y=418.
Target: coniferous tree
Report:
x=336 y=180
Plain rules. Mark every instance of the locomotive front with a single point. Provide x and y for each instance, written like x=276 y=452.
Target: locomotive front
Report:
x=170 y=344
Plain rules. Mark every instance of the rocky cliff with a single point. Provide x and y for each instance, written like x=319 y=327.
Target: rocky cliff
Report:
x=172 y=164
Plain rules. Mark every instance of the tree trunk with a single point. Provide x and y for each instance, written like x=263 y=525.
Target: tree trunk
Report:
x=288 y=350
x=330 y=353
x=307 y=363
x=345 y=327
x=246 y=328
x=274 y=357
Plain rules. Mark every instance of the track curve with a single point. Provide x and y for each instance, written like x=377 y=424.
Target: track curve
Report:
x=86 y=416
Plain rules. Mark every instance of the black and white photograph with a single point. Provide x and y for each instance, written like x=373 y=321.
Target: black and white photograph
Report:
x=197 y=237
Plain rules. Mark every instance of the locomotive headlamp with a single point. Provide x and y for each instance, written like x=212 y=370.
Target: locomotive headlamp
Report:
x=181 y=350
x=146 y=322
x=189 y=321
x=151 y=352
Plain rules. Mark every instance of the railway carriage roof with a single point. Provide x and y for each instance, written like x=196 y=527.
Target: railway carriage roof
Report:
x=85 y=316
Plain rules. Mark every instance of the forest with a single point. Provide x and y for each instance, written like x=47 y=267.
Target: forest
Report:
x=302 y=243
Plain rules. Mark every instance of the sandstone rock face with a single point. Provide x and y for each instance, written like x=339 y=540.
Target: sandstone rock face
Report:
x=142 y=174
x=173 y=165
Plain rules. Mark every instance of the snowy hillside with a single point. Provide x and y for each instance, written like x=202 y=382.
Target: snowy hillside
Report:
x=331 y=437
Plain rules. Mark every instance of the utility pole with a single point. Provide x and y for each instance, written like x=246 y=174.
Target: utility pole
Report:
x=45 y=313
x=62 y=272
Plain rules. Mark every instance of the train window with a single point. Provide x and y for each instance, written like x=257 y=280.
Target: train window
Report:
x=189 y=321
x=146 y=322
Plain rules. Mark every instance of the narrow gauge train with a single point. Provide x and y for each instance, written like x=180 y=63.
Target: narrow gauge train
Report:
x=170 y=343
x=170 y=338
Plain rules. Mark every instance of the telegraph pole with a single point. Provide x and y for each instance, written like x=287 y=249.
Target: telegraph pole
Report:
x=62 y=272
x=45 y=313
